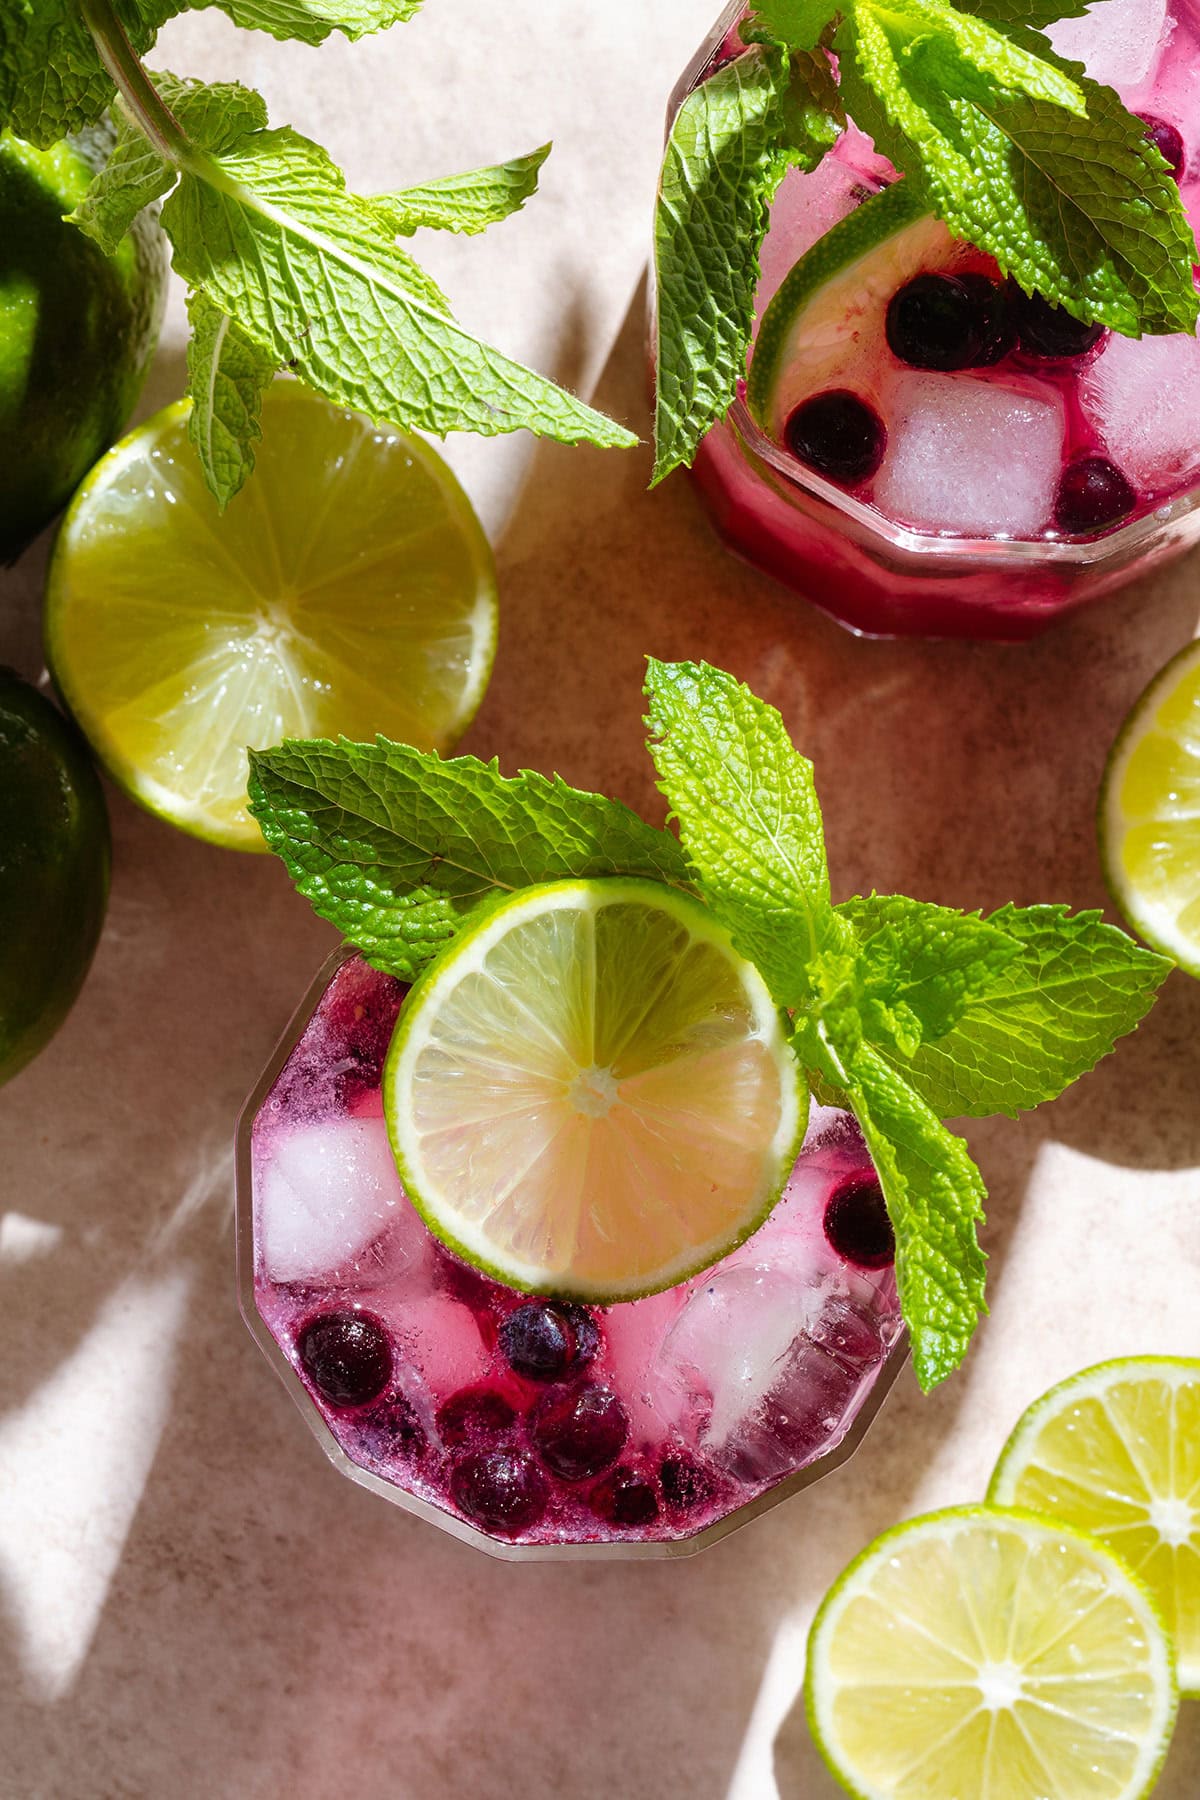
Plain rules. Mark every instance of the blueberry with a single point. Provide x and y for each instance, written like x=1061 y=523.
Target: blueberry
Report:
x=944 y=322
x=685 y=1484
x=1046 y=330
x=391 y=1428
x=346 y=1356
x=624 y=1497
x=503 y=1490
x=1166 y=140
x=857 y=1224
x=474 y=1412
x=997 y=331
x=1092 y=493
x=547 y=1339
x=464 y=1284
x=838 y=435
x=582 y=1432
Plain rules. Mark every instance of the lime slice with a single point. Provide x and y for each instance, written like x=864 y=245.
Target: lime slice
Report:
x=985 y=1654
x=825 y=326
x=1150 y=813
x=349 y=589
x=591 y=1093
x=1116 y=1450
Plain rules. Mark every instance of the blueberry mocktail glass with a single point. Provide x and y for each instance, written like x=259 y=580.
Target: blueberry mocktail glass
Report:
x=525 y=1425
x=948 y=456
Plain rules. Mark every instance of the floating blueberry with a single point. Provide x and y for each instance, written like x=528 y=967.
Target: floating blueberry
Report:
x=1092 y=494
x=838 y=435
x=392 y=1428
x=346 y=1356
x=548 y=1339
x=857 y=1224
x=581 y=1433
x=1049 y=331
x=1166 y=140
x=997 y=329
x=474 y=1412
x=943 y=321
x=503 y=1490
x=624 y=1497
x=685 y=1484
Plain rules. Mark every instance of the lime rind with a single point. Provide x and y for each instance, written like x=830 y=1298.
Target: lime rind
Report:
x=245 y=652
x=1155 y=918
x=412 y=1035
x=882 y=1549
x=1095 y=1383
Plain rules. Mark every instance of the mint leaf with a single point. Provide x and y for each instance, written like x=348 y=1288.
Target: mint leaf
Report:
x=269 y=232
x=749 y=820
x=1036 y=13
x=214 y=115
x=1018 y=152
x=811 y=112
x=934 y=1195
x=723 y=163
x=1055 y=1008
x=465 y=203
x=796 y=24
x=395 y=846
x=312 y=20
x=227 y=377
x=53 y=77
x=929 y=961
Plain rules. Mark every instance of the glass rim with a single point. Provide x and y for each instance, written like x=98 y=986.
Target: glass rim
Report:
x=611 y=1549
x=1117 y=545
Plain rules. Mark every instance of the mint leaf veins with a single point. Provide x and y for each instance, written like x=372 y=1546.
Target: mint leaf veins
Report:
x=901 y=1010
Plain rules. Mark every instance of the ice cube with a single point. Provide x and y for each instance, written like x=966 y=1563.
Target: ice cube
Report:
x=1143 y=397
x=327 y=1191
x=1116 y=40
x=970 y=455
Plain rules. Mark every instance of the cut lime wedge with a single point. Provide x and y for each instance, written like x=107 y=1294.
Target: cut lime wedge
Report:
x=985 y=1654
x=349 y=589
x=591 y=1093
x=1116 y=1450
x=1150 y=813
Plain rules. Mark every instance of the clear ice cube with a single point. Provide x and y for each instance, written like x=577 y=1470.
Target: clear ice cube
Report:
x=968 y=455
x=328 y=1193
x=1116 y=40
x=1143 y=396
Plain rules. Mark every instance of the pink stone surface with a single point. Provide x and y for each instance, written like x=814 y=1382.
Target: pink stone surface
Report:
x=192 y=1602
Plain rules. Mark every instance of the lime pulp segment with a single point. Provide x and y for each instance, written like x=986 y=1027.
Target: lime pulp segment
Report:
x=591 y=1093
x=1150 y=812
x=985 y=1654
x=347 y=590
x=1116 y=1450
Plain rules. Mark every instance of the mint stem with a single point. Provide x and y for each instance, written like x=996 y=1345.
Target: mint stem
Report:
x=142 y=99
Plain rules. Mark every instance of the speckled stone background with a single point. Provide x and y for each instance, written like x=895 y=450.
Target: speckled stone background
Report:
x=193 y=1605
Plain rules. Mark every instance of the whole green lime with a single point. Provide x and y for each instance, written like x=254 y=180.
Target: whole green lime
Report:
x=77 y=329
x=54 y=863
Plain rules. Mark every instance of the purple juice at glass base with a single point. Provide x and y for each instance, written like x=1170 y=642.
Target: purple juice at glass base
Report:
x=532 y=1427
x=1009 y=491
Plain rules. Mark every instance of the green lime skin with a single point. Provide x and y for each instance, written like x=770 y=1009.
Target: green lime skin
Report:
x=77 y=329
x=55 y=854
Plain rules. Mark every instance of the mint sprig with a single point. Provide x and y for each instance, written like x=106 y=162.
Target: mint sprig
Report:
x=1009 y=144
x=903 y=1011
x=305 y=274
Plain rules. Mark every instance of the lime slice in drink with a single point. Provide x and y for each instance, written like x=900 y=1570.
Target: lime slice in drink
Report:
x=1116 y=1450
x=985 y=1654
x=348 y=589
x=825 y=326
x=591 y=1093
x=1150 y=813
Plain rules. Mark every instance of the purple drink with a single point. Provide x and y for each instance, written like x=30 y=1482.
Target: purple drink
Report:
x=937 y=452
x=527 y=1425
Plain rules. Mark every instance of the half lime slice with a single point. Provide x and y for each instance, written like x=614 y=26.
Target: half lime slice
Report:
x=591 y=1093
x=1150 y=813
x=1116 y=1449
x=985 y=1654
x=348 y=590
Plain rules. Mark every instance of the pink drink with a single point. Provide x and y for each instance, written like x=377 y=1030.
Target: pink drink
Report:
x=528 y=1426
x=1007 y=493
